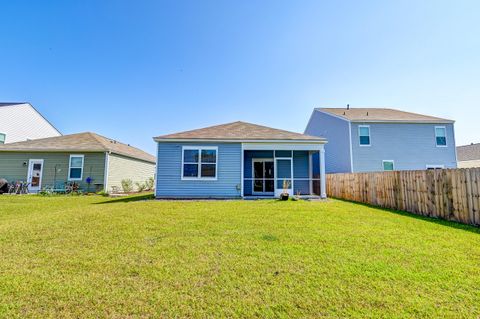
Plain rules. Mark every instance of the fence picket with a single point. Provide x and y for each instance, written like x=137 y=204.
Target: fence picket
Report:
x=452 y=194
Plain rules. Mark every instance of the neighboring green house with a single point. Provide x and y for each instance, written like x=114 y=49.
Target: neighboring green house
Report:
x=81 y=158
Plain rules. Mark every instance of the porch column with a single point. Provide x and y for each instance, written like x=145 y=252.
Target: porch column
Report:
x=323 y=184
x=242 y=168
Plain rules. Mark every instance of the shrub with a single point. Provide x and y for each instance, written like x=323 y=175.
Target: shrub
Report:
x=149 y=183
x=140 y=186
x=103 y=193
x=127 y=185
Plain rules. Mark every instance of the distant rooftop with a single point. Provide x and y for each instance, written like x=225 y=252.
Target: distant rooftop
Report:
x=468 y=152
x=239 y=131
x=81 y=142
x=382 y=115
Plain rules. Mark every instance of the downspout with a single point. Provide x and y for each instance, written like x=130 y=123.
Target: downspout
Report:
x=351 y=145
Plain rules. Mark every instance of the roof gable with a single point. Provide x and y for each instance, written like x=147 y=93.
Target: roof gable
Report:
x=381 y=115
x=80 y=142
x=238 y=131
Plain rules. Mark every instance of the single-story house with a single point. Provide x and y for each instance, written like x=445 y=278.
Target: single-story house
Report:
x=468 y=156
x=92 y=161
x=238 y=160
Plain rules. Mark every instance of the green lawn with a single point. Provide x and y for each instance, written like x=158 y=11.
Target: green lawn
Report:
x=71 y=257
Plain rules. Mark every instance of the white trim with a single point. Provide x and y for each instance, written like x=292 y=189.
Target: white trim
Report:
x=446 y=140
x=351 y=146
x=29 y=175
x=281 y=147
x=401 y=122
x=388 y=161
x=155 y=176
x=242 y=171
x=369 y=136
x=455 y=146
x=198 y=140
x=199 y=164
x=323 y=181
x=70 y=167
x=434 y=166
x=106 y=173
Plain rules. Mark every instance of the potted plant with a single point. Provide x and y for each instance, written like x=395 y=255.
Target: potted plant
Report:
x=285 y=195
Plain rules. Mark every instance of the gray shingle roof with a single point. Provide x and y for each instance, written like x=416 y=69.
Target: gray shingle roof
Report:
x=239 y=131
x=468 y=152
x=382 y=115
x=81 y=142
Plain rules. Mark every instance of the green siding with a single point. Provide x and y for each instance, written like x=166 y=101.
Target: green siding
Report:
x=12 y=167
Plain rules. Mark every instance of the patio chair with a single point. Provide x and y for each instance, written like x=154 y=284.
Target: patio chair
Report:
x=60 y=187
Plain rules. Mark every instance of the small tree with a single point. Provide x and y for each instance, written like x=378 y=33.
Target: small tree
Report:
x=127 y=185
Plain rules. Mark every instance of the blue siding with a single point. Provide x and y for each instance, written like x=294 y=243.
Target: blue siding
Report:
x=337 y=150
x=411 y=146
x=301 y=167
x=170 y=184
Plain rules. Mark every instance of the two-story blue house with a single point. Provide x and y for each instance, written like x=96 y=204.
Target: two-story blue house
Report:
x=375 y=139
x=238 y=160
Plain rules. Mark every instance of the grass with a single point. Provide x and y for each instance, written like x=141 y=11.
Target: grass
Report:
x=83 y=257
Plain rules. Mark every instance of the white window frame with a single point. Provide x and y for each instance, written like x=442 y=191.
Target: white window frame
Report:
x=369 y=136
x=434 y=166
x=5 y=138
x=388 y=161
x=199 y=164
x=70 y=167
x=446 y=140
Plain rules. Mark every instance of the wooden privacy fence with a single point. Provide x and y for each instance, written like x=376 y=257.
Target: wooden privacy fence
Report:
x=452 y=194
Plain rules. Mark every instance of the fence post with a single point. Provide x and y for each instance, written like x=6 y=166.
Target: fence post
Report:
x=452 y=194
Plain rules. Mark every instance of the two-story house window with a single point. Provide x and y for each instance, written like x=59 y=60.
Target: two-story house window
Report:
x=364 y=134
x=3 y=137
x=441 y=136
x=388 y=165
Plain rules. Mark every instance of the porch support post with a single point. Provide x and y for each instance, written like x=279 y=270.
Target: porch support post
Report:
x=310 y=173
x=323 y=184
x=242 y=168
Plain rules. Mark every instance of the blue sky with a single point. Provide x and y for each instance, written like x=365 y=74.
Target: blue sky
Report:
x=131 y=70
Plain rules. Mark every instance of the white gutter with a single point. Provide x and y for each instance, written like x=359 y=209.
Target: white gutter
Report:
x=201 y=140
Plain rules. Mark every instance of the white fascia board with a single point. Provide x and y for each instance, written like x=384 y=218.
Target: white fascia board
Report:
x=315 y=141
x=282 y=146
x=402 y=122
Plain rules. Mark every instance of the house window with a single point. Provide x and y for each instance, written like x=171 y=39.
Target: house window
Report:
x=435 y=166
x=2 y=138
x=388 y=166
x=364 y=133
x=199 y=163
x=75 y=169
x=441 y=136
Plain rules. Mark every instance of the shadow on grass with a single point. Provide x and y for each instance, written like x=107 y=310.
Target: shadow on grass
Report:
x=128 y=199
x=443 y=222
